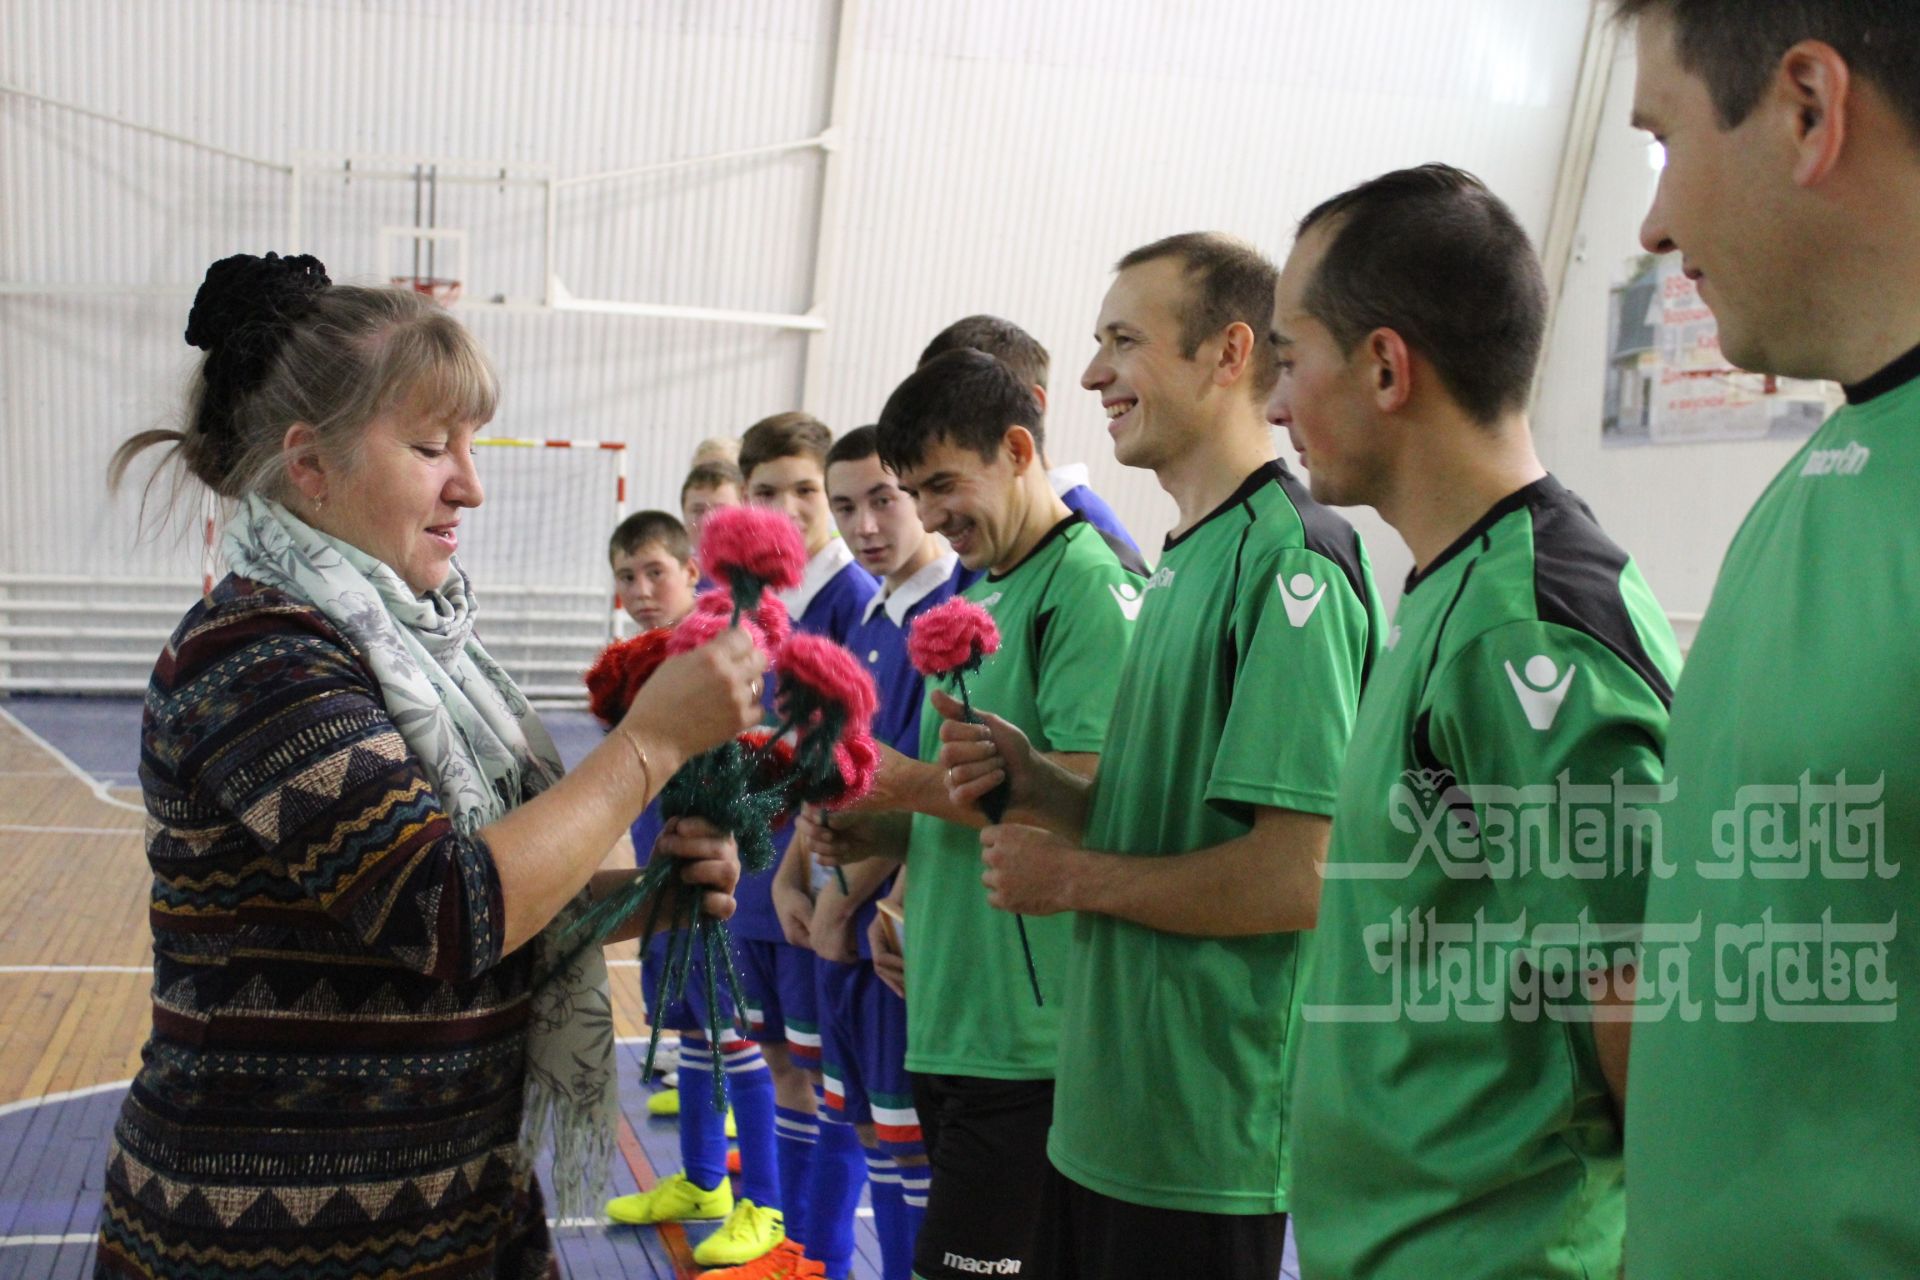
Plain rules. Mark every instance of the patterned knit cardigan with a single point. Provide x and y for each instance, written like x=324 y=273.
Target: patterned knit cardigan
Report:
x=333 y=1084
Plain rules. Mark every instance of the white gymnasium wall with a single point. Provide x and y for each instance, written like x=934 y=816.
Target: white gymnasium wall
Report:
x=996 y=156
x=1674 y=507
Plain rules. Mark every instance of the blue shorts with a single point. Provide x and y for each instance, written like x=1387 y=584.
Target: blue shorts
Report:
x=777 y=980
x=863 y=1053
x=689 y=1012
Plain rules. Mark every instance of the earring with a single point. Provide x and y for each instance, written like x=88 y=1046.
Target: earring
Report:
x=319 y=505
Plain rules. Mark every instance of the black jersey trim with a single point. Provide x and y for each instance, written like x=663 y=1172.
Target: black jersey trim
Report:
x=1058 y=531
x=1478 y=531
x=1576 y=582
x=1892 y=378
x=1264 y=474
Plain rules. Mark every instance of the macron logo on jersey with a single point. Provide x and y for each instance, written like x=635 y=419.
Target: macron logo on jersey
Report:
x=1299 y=596
x=1850 y=461
x=1541 y=690
x=1128 y=597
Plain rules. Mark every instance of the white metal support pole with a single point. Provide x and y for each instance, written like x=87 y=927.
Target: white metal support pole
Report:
x=548 y=276
x=293 y=208
x=826 y=250
x=1576 y=156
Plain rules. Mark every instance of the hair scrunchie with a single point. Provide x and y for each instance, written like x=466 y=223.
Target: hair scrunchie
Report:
x=241 y=314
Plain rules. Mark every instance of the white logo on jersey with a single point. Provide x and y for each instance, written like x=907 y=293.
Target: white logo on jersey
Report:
x=991 y=600
x=1163 y=577
x=1393 y=638
x=1128 y=597
x=1850 y=461
x=1539 y=696
x=1299 y=596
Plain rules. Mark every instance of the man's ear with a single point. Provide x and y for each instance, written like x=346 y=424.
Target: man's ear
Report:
x=1040 y=394
x=1814 y=86
x=305 y=467
x=1388 y=369
x=1018 y=442
x=1236 y=354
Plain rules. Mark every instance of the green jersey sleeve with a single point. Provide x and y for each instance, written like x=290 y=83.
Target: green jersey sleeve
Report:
x=1084 y=626
x=1556 y=745
x=1302 y=641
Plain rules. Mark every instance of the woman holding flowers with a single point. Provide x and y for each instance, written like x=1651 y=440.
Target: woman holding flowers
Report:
x=360 y=835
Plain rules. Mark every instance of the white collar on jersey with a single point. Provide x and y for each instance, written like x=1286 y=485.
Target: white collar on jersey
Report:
x=821 y=568
x=901 y=599
x=1071 y=476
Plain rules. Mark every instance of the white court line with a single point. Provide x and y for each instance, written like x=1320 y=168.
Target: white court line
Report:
x=32 y=773
x=76 y=968
x=27 y=1104
x=18 y=1242
x=71 y=831
x=94 y=785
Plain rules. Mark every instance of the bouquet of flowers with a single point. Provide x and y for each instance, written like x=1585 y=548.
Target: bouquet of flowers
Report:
x=949 y=642
x=821 y=752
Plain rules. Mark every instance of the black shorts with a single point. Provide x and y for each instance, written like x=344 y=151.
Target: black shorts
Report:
x=987 y=1154
x=1090 y=1236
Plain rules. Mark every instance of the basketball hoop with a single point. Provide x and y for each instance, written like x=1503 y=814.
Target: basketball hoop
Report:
x=443 y=291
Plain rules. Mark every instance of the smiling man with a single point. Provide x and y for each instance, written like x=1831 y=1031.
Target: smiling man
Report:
x=1447 y=1123
x=1190 y=861
x=963 y=434
x=1771 y=1132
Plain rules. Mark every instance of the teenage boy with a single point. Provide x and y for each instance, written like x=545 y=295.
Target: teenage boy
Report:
x=654 y=575
x=1191 y=859
x=1493 y=796
x=1770 y=1134
x=963 y=434
x=783 y=459
x=653 y=571
x=708 y=487
x=1024 y=354
x=863 y=1023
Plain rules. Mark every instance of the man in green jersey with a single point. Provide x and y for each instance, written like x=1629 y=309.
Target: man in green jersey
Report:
x=1773 y=1107
x=1463 y=1030
x=1190 y=862
x=963 y=435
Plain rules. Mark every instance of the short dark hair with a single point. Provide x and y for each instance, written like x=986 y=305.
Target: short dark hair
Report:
x=1020 y=350
x=1231 y=281
x=857 y=445
x=1735 y=45
x=645 y=528
x=966 y=398
x=711 y=475
x=1433 y=255
x=793 y=434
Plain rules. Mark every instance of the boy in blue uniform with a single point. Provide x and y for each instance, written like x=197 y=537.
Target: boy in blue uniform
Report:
x=1021 y=352
x=783 y=459
x=863 y=1023
x=652 y=559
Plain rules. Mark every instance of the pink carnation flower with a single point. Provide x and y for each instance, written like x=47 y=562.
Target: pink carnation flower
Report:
x=951 y=636
x=761 y=544
x=859 y=761
x=835 y=677
x=769 y=623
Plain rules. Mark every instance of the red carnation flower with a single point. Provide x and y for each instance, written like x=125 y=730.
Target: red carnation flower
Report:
x=754 y=543
x=769 y=623
x=614 y=679
x=859 y=762
x=820 y=671
x=951 y=637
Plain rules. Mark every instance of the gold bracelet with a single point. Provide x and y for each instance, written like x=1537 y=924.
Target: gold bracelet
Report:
x=640 y=755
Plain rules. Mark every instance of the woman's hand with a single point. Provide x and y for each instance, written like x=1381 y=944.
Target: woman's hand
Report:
x=708 y=859
x=698 y=700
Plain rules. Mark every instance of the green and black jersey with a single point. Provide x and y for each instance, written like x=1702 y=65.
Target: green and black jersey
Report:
x=1773 y=1106
x=1490 y=846
x=1064 y=614
x=1239 y=692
